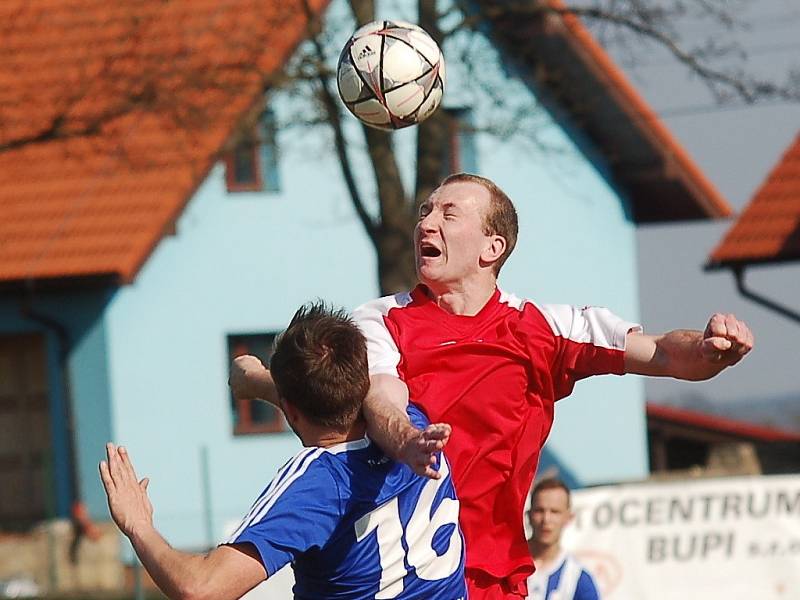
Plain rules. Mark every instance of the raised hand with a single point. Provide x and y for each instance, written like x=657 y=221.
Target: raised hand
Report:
x=419 y=452
x=726 y=340
x=250 y=379
x=127 y=496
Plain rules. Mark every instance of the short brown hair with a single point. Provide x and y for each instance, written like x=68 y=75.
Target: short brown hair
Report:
x=320 y=366
x=500 y=219
x=551 y=483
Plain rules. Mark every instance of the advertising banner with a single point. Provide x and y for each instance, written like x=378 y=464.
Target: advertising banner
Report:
x=726 y=538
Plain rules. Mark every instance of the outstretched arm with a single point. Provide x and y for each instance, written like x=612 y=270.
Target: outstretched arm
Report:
x=388 y=424
x=687 y=354
x=225 y=572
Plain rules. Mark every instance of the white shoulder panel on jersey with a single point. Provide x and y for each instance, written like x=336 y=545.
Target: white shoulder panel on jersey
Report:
x=381 y=348
x=590 y=325
x=512 y=300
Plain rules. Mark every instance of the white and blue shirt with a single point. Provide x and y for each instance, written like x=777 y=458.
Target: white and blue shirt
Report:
x=565 y=579
x=355 y=524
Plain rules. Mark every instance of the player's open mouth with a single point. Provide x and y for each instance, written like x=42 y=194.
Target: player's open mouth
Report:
x=429 y=251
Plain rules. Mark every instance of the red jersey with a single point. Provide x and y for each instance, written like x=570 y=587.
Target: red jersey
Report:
x=495 y=378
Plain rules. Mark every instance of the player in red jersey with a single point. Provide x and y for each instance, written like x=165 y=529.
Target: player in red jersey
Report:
x=492 y=365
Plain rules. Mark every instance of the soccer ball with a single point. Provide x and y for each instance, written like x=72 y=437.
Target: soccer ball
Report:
x=391 y=74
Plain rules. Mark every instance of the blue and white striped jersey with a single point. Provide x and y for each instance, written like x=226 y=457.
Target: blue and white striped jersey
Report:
x=565 y=579
x=355 y=524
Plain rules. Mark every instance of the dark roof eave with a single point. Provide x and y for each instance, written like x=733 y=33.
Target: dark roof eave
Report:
x=713 y=265
x=716 y=424
x=52 y=284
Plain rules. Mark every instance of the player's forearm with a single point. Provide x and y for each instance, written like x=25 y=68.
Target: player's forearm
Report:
x=265 y=388
x=679 y=354
x=180 y=575
x=385 y=412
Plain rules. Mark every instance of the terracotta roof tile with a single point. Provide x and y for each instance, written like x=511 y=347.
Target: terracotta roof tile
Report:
x=160 y=87
x=768 y=230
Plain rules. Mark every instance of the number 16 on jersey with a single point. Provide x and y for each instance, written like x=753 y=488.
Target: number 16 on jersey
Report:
x=412 y=547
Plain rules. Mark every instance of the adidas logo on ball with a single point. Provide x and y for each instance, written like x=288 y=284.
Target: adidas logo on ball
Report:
x=367 y=51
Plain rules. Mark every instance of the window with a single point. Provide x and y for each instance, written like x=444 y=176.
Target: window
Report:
x=245 y=165
x=461 y=151
x=252 y=165
x=254 y=416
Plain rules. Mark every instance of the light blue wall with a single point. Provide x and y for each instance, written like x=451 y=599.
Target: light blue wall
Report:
x=89 y=380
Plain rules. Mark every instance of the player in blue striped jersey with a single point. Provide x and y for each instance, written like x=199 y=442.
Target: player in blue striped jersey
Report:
x=353 y=523
x=558 y=575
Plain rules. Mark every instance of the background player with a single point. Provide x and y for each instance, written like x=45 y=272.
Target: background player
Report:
x=492 y=365
x=353 y=523
x=558 y=575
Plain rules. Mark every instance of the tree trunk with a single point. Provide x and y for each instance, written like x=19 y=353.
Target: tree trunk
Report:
x=395 y=248
x=394 y=234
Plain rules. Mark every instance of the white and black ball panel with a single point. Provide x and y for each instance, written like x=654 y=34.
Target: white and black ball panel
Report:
x=350 y=81
x=425 y=45
x=428 y=79
x=441 y=70
x=371 y=111
x=401 y=63
x=351 y=87
x=368 y=29
x=405 y=100
x=431 y=102
x=365 y=55
x=402 y=25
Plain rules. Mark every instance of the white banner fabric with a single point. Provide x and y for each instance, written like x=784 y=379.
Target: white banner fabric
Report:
x=726 y=538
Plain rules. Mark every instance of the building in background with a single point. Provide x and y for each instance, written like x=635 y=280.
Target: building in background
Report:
x=690 y=443
x=142 y=247
x=767 y=232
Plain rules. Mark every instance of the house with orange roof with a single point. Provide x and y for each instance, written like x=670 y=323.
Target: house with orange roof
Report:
x=156 y=220
x=767 y=232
